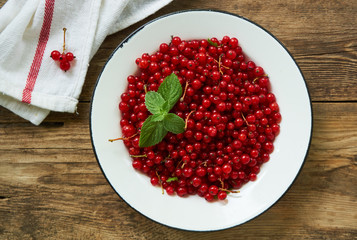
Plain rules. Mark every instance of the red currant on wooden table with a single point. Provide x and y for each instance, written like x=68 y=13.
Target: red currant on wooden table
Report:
x=231 y=117
x=63 y=58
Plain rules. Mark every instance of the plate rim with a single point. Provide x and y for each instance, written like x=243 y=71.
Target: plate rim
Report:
x=126 y=39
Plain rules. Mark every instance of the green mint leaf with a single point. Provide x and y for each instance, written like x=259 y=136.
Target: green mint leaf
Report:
x=212 y=43
x=166 y=107
x=171 y=179
x=151 y=132
x=158 y=117
x=174 y=123
x=171 y=90
x=154 y=102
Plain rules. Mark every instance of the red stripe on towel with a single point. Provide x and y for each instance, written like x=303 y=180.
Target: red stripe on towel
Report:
x=41 y=45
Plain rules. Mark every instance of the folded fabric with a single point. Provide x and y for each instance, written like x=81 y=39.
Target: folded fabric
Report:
x=31 y=83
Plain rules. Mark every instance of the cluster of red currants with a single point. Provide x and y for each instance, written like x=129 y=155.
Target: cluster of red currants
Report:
x=232 y=118
x=63 y=58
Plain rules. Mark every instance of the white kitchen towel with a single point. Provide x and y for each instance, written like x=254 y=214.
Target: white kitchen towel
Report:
x=31 y=83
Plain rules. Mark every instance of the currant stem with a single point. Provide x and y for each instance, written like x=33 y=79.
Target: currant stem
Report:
x=64 y=39
x=123 y=138
x=222 y=184
x=255 y=79
x=188 y=116
x=245 y=120
x=162 y=188
x=116 y=139
x=138 y=156
x=226 y=190
x=184 y=93
x=204 y=163
x=219 y=62
x=177 y=166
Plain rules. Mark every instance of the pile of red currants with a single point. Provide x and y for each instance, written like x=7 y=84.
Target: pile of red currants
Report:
x=232 y=118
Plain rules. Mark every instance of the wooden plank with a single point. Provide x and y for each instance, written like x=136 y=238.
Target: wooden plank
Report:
x=59 y=130
x=54 y=191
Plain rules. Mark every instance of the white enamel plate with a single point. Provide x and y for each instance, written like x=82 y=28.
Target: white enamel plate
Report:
x=193 y=212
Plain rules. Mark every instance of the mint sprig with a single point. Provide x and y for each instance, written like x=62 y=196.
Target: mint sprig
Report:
x=159 y=103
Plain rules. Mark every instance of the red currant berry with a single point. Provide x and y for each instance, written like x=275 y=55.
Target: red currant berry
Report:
x=245 y=159
x=128 y=130
x=213 y=190
x=55 y=55
x=181 y=191
x=233 y=43
x=222 y=195
x=64 y=65
x=196 y=181
x=252 y=177
x=209 y=197
x=258 y=71
x=170 y=190
x=164 y=48
x=70 y=56
x=154 y=180
x=176 y=41
x=226 y=168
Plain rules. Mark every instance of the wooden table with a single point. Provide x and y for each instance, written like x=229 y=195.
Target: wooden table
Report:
x=51 y=186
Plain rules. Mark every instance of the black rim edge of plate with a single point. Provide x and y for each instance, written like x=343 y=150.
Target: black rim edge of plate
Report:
x=199 y=10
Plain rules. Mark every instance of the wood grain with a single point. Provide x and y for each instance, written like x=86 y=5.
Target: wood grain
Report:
x=51 y=186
